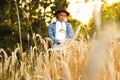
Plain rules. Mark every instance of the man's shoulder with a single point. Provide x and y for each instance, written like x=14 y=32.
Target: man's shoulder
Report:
x=68 y=24
x=53 y=23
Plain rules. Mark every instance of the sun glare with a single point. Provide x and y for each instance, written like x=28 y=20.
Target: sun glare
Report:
x=83 y=11
x=110 y=2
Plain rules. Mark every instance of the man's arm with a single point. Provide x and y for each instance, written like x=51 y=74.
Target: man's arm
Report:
x=51 y=33
x=70 y=33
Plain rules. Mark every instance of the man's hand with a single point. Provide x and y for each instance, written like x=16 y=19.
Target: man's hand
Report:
x=60 y=42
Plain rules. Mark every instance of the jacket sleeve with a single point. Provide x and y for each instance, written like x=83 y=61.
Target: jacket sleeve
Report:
x=70 y=33
x=51 y=33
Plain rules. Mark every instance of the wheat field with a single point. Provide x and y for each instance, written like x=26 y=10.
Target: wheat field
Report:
x=96 y=59
x=82 y=59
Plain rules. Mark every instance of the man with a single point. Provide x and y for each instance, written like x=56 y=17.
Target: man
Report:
x=60 y=30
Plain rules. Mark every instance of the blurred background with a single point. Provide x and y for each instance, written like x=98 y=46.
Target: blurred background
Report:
x=35 y=16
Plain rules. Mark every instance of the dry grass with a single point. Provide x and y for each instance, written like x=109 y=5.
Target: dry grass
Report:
x=98 y=59
x=73 y=62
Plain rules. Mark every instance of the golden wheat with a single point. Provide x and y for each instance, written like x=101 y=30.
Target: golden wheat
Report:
x=70 y=63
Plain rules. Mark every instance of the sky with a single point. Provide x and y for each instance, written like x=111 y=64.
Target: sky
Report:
x=83 y=11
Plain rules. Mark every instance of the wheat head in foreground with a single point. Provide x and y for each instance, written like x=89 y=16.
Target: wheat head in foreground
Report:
x=77 y=60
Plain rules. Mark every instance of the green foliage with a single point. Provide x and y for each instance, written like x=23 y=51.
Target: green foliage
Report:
x=35 y=15
x=111 y=12
x=91 y=28
x=74 y=22
x=108 y=13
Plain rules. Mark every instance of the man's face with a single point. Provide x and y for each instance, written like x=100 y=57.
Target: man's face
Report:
x=62 y=16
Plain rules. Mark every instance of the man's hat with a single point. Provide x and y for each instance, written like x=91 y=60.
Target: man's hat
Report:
x=62 y=10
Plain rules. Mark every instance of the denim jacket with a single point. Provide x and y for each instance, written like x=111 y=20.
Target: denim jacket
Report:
x=52 y=31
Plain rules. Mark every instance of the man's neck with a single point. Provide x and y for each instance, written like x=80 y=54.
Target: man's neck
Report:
x=60 y=21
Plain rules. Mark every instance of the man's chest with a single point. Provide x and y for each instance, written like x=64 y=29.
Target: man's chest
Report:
x=61 y=27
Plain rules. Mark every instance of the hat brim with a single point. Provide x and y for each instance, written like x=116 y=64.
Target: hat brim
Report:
x=59 y=11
